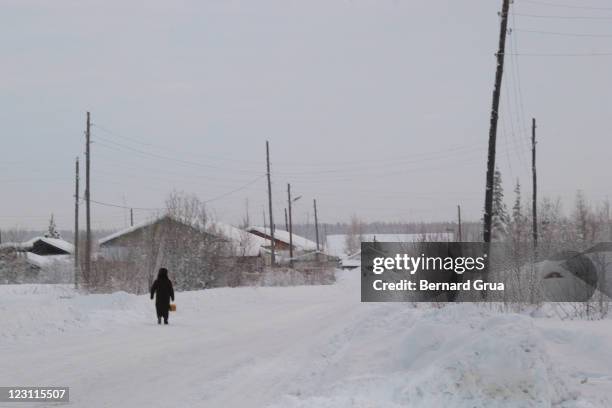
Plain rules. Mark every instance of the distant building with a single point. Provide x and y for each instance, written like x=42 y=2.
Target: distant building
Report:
x=242 y=243
x=351 y=261
x=282 y=239
x=198 y=256
x=38 y=260
x=42 y=246
x=336 y=244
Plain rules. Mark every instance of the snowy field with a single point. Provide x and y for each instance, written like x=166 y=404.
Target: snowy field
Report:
x=304 y=347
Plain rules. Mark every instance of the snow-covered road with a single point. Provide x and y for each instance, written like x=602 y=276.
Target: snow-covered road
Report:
x=296 y=347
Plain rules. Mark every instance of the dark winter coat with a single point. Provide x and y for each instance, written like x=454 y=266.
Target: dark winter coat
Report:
x=164 y=290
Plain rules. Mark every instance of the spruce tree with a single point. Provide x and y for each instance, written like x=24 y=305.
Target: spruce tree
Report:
x=52 y=231
x=518 y=226
x=500 y=219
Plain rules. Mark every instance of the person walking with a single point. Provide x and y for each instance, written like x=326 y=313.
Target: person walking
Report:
x=163 y=291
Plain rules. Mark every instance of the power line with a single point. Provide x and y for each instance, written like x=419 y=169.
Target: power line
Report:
x=385 y=166
x=550 y=4
x=122 y=206
x=518 y=88
x=584 y=54
x=166 y=148
x=565 y=17
x=126 y=207
x=564 y=34
x=360 y=162
x=137 y=168
x=163 y=157
x=235 y=190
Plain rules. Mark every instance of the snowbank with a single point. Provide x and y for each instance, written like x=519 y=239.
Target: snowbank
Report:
x=458 y=356
x=41 y=310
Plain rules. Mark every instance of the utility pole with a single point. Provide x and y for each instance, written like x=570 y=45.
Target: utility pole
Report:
x=76 y=224
x=290 y=223
x=488 y=213
x=316 y=222
x=273 y=255
x=88 y=197
x=608 y=219
x=534 y=203
x=131 y=217
x=459 y=236
x=286 y=220
x=247 y=219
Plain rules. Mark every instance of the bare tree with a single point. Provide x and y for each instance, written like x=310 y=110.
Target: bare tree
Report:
x=352 y=242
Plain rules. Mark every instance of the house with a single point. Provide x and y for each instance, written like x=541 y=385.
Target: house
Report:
x=199 y=256
x=38 y=260
x=42 y=246
x=157 y=230
x=352 y=261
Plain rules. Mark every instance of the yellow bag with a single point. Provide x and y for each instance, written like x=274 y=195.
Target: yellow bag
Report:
x=172 y=307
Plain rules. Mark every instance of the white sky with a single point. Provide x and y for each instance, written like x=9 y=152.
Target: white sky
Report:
x=376 y=108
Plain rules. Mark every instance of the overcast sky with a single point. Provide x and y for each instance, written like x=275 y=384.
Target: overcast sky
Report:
x=375 y=108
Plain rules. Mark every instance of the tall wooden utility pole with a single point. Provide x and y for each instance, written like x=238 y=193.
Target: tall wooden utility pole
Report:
x=534 y=203
x=316 y=222
x=608 y=219
x=273 y=255
x=459 y=235
x=290 y=223
x=286 y=220
x=88 y=247
x=76 y=224
x=131 y=217
x=488 y=213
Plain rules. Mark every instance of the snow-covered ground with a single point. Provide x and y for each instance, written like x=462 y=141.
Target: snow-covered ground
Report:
x=304 y=347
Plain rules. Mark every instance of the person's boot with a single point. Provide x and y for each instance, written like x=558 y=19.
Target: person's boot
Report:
x=159 y=320
x=165 y=321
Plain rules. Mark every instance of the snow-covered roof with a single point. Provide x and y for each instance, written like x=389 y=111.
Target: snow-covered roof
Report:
x=336 y=244
x=128 y=230
x=351 y=263
x=58 y=243
x=283 y=236
x=29 y=244
x=245 y=243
